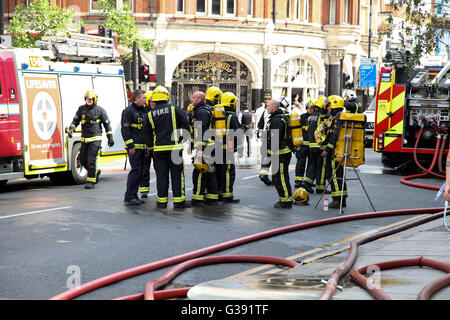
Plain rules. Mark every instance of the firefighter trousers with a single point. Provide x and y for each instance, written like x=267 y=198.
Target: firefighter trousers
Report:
x=165 y=166
x=281 y=178
x=324 y=172
x=135 y=174
x=204 y=183
x=311 y=172
x=265 y=161
x=89 y=154
x=144 y=185
x=303 y=160
x=226 y=175
x=338 y=185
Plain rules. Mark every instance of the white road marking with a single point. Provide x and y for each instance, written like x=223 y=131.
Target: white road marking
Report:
x=33 y=212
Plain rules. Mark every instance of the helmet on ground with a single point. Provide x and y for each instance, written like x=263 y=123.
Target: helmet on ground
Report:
x=284 y=103
x=229 y=100
x=336 y=101
x=351 y=94
x=213 y=94
x=301 y=196
x=322 y=102
x=91 y=94
x=148 y=97
x=160 y=93
x=202 y=167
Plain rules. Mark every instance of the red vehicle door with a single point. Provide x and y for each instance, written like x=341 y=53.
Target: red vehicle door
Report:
x=10 y=117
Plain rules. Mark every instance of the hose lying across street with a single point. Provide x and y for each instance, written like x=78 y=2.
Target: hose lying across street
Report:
x=189 y=260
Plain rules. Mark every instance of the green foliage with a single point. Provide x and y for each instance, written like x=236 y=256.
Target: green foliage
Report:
x=38 y=19
x=420 y=26
x=123 y=24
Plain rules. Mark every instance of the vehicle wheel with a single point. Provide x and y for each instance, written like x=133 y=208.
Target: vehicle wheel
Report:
x=79 y=173
x=3 y=183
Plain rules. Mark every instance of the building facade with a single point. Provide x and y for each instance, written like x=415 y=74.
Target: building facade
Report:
x=255 y=48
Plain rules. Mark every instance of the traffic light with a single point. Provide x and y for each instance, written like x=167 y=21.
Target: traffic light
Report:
x=127 y=69
x=144 y=73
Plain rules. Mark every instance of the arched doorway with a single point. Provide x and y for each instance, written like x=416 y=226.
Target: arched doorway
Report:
x=296 y=78
x=200 y=72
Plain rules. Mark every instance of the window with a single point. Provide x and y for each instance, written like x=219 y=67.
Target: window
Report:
x=346 y=11
x=306 y=10
x=94 y=6
x=332 y=11
x=215 y=7
x=201 y=6
x=250 y=8
x=180 y=5
x=288 y=9
x=230 y=6
x=297 y=9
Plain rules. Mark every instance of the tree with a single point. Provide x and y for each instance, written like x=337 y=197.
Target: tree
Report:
x=123 y=24
x=421 y=24
x=38 y=19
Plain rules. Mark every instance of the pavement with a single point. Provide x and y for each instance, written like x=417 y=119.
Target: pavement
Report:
x=307 y=281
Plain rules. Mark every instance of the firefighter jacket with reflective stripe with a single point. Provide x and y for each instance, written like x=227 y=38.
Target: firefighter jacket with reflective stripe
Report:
x=133 y=126
x=162 y=132
x=314 y=120
x=333 y=134
x=352 y=106
x=304 y=117
x=91 y=119
x=278 y=121
x=232 y=124
x=202 y=121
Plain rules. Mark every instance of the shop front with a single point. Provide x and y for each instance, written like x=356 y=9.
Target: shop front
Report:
x=200 y=72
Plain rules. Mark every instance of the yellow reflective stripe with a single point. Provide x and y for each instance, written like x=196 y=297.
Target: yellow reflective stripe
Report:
x=174 y=124
x=88 y=179
x=109 y=132
x=179 y=199
x=168 y=148
x=227 y=177
x=283 y=181
x=150 y=118
x=91 y=139
x=136 y=125
x=197 y=197
x=282 y=151
x=163 y=199
x=334 y=181
x=199 y=186
x=144 y=189
x=182 y=183
x=212 y=196
x=140 y=146
x=129 y=141
x=264 y=172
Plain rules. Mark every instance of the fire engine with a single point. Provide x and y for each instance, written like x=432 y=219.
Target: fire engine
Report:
x=40 y=91
x=412 y=111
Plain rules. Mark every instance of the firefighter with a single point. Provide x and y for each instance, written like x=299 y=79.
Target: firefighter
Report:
x=315 y=174
x=261 y=133
x=351 y=103
x=163 y=134
x=144 y=185
x=302 y=153
x=132 y=130
x=226 y=171
x=280 y=153
x=92 y=117
x=338 y=185
x=203 y=121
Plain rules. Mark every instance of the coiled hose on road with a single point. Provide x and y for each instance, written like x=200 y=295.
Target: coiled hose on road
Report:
x=109 y=279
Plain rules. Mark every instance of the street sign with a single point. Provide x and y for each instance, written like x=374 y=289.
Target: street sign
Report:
x=367 y=73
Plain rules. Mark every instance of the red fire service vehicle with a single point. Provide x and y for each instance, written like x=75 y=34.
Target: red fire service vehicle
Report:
x=412 y=112
x=40 y=91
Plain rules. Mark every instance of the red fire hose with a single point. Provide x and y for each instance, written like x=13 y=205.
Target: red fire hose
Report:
x=109 y=279
x=425 y=293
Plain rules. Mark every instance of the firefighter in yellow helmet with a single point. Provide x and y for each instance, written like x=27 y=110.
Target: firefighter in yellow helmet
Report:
x=302 y=153
x=315 y=174
x=92 y=117
x=202 y=121
x=232 y=142
x=162 y=133
x=338 y=186
x=144 y=185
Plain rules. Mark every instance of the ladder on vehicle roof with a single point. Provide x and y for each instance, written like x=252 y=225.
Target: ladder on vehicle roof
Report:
x=69 y=46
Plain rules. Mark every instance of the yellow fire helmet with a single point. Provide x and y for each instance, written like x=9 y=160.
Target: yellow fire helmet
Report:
x=321 y=102
x=301 y=197
x=310 y=103
x=190 y=107
x=229 y=100
x=148 y=97
x=91 y=94
x=202 y=167
x=213 y=94
x=160 y=93
x=336 y=102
